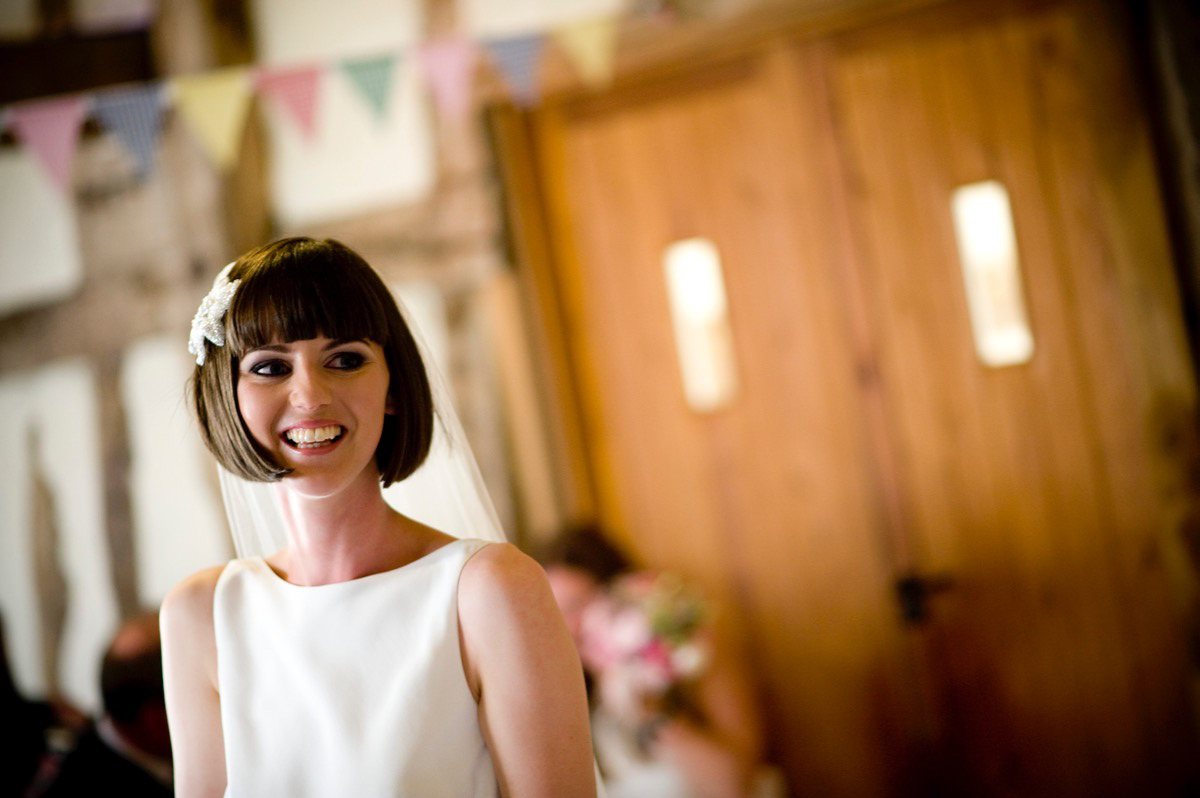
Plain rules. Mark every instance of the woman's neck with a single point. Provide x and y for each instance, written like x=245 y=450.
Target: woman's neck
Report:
x=351 y=534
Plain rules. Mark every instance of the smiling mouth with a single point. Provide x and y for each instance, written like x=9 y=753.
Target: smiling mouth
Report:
x=310 y=438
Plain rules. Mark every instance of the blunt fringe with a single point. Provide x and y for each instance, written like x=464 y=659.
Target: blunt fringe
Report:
x=299 y=288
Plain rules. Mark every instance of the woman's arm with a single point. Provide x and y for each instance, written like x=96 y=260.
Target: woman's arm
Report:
x=522 y=665
x=190 y=681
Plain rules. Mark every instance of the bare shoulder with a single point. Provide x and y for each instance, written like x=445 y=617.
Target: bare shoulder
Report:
x=500 y=570
x=191 y=601
x=504 y=605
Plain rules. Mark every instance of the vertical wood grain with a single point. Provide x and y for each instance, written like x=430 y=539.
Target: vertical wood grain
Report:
x=867 y=439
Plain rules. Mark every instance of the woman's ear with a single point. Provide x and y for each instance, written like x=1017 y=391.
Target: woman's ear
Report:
x=389 y=407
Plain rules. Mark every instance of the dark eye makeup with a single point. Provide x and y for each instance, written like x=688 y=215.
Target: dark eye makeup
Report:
x=348 y=359
x=269 y=368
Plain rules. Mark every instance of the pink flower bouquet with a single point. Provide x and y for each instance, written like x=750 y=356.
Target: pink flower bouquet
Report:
x=643 y=639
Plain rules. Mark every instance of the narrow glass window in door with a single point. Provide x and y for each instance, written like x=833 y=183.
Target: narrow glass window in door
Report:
x=987 y=248
x=699 y=313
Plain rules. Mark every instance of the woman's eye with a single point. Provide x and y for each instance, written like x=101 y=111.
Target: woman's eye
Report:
x=269 y=368
x=347 y=361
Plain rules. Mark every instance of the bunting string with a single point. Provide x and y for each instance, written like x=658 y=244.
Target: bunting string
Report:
x=214 y=105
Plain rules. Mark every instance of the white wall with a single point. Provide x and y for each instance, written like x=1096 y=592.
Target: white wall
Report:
x=179 y=524
x=57 y=404
x=39 y=242
x=354 y=162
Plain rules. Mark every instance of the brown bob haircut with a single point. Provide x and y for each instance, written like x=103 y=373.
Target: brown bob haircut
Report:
x=299 y=288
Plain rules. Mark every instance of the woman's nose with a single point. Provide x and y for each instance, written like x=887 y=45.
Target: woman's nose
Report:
x=309 y=389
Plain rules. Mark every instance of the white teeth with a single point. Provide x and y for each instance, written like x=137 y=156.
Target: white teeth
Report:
x=309 y=435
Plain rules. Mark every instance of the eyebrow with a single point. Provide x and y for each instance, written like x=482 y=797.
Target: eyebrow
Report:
x=334 y=344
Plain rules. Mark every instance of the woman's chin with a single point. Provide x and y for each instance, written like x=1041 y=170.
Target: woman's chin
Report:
x=312 y=482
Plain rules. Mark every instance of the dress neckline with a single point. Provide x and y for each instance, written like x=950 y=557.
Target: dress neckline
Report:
x=261 y=562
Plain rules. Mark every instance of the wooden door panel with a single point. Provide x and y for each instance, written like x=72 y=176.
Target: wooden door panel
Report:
x=1029 y=485
x=768 y=502
x=867 y=438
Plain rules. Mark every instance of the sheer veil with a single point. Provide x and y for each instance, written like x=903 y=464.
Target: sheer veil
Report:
x=447 y=492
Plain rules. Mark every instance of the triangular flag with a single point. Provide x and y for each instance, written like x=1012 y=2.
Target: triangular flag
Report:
x=518 y=59
x=373 y=79
x=590 y=45
x=295 y=90
x=134 y=115
x=215 y=106
x=51 y=129
x=449 y=69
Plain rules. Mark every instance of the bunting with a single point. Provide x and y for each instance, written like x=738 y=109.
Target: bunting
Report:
x=373 y=79
x=518 y=58
x=50 y=128
x=134 y=115
x=449 y=68
x=214 y=105
x=294 y=89
x=591 y=46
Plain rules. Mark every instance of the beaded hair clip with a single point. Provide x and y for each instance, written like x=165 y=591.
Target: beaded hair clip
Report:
x=208 y=323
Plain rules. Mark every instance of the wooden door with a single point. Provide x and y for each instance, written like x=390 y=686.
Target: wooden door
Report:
x=769 y=502
x=1055 y=656
x=867 y=442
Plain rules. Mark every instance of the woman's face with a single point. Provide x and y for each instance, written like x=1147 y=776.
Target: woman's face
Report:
x=317 y=407
x=574 y=589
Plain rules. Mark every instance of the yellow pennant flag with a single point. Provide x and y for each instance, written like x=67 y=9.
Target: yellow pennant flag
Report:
x=591 y=46
x=214 y=105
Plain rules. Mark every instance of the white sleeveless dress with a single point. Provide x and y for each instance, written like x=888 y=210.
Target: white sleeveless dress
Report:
x=349 y=689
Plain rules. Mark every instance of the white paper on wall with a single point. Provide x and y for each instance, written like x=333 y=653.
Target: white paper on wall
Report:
x=499 y=18
x=18 y=592
x=289 y=32
x=179 y=523
x=57 y=405
x=356 y=161
x=39 y=242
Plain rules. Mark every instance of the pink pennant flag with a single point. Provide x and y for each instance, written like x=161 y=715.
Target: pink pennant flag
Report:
x=295 y=90
x=51 y=129
x=449 y=68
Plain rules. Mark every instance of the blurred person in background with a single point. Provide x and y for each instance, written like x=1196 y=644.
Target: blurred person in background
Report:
x=25 y=724
x=31 y=730
x=127 y=751
x=673 y=708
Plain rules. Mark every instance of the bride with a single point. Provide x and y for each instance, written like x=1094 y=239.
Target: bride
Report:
x=368 y=654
